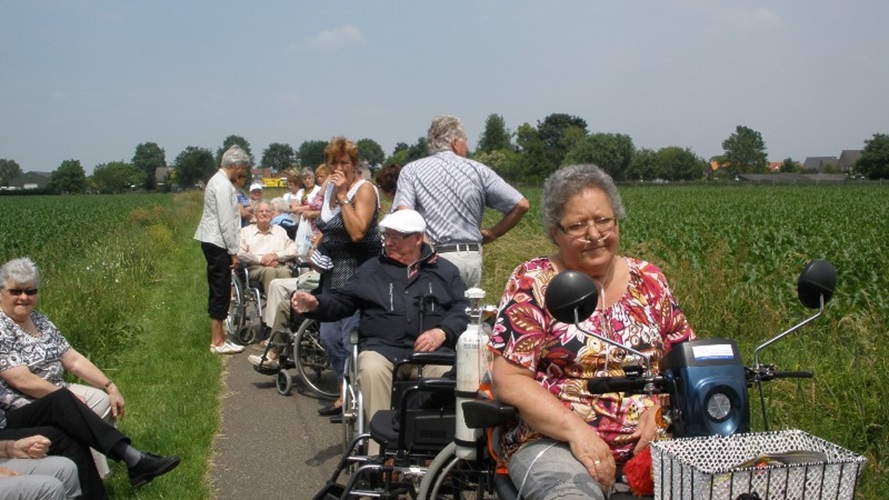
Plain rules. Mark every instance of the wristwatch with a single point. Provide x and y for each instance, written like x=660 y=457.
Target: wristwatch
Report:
x=341 y=202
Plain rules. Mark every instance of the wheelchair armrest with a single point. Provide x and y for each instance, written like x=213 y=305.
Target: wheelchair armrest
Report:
x=441 y=357
x=480 y=414
x=437 y=384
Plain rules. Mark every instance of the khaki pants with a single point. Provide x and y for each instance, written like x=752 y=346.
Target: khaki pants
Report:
x=375 y=378
x=98 y=401
x=265 y=275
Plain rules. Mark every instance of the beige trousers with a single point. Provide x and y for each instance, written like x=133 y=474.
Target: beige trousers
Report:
x=99 y=402
x=375 y=379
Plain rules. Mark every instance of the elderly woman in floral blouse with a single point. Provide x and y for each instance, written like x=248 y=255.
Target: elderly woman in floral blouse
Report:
x=34 y=355
x=567 y=442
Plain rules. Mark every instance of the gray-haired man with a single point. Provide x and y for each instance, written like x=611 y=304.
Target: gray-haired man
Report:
x=451 y=192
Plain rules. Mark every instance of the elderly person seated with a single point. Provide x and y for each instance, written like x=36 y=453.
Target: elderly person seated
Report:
x=74 y=428
x=567 y=442
x=281 y=216
x=265 y=248
x=26 y=472
x=34 y=355
x=33 y=359
x=276 y=315
x=390 y=291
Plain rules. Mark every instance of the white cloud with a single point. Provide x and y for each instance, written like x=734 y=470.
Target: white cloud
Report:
x=290 y=98
x=745 y=18
x=338 y=38
x=766 y=17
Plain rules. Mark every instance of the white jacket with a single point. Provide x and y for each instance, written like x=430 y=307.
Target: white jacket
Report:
x=220 y=222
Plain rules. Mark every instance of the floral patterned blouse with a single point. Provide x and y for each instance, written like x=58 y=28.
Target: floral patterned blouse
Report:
x=562 y=358
x=41 y=354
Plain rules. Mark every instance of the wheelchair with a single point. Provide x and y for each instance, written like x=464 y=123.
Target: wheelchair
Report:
x=299 y=347
x=245 y=308
x=418 y=426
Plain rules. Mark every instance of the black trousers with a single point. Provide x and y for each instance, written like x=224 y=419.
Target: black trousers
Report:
x=91 y=486
x=64 y=411
x=219 y=280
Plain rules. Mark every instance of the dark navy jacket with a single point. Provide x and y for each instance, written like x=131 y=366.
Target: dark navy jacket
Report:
x=398 y=303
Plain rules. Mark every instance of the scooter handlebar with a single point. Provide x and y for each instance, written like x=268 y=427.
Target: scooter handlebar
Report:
x=635 y=385
x=774 y=375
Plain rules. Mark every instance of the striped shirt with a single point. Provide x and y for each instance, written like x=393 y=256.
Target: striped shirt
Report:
x=451 y=193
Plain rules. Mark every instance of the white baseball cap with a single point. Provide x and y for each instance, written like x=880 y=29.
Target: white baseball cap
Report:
x=255 y=186
x=404 y=221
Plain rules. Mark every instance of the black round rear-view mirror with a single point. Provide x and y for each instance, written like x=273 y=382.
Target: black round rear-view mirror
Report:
x=818 y=278
x=570 y=292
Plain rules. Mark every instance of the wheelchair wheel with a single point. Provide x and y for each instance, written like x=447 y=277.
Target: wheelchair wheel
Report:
x=247 y=335
x=312 y=363
x=284 y=383
x=235 y=320
x=450 y=476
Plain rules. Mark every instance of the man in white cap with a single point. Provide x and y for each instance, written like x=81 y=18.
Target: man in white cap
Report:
x=255 y=195
x=410 y=300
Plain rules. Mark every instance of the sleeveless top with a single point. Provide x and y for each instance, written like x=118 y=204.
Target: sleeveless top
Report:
x=338 y=245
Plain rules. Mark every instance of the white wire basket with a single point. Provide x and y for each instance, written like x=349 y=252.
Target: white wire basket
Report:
x=789 y=464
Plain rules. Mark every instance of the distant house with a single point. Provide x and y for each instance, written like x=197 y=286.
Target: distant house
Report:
x=848 y=158
x=791 y=178
x=260 y=173
x=160 y=175
x=819 y=163
x=30 y=180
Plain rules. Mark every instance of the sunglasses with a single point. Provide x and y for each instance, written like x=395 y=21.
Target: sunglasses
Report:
x=30 y=292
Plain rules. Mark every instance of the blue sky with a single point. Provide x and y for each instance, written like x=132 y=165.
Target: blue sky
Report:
x=90 y=80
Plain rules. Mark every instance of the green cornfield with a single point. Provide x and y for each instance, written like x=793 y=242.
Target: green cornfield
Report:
x=732 y=255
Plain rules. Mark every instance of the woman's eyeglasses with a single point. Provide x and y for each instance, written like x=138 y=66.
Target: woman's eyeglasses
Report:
x=580 y=229
x=30 y=292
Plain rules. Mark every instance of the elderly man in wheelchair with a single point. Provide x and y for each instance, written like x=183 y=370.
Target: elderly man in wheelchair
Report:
x=410 y=301
x=266 y=253
x=265 y=249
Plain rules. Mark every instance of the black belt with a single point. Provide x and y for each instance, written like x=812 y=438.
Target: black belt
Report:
x=458 y=247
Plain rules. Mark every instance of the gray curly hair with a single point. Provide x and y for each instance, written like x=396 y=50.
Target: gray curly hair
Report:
x=565 y=183
x=20 y=271
x=443 y=130
x=235 y=157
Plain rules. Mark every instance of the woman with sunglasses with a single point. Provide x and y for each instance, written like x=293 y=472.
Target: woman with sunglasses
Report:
x=34 y=355
x=33 y=359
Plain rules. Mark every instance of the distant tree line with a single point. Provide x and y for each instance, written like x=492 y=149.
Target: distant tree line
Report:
x=527 y=155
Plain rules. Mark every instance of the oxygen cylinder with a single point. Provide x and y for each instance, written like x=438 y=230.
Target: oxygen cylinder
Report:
x=468 y=374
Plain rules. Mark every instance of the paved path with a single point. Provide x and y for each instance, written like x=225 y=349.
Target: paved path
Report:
x=270 y=446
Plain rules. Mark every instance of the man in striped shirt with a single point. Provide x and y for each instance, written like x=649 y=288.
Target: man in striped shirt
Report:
x=451 y=192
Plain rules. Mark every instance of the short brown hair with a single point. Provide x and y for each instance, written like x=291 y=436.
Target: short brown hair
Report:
x=387 y=178
x=340 y=146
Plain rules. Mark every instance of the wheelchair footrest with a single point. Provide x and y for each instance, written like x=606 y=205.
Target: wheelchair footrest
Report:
x=330 y=491
x=266 y=371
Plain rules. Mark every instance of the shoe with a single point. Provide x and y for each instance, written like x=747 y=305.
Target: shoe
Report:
x=261 y=346
x=226 y=348
x=269 y=364
x=330 y=410
x=149 y=467
x=336 y=419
